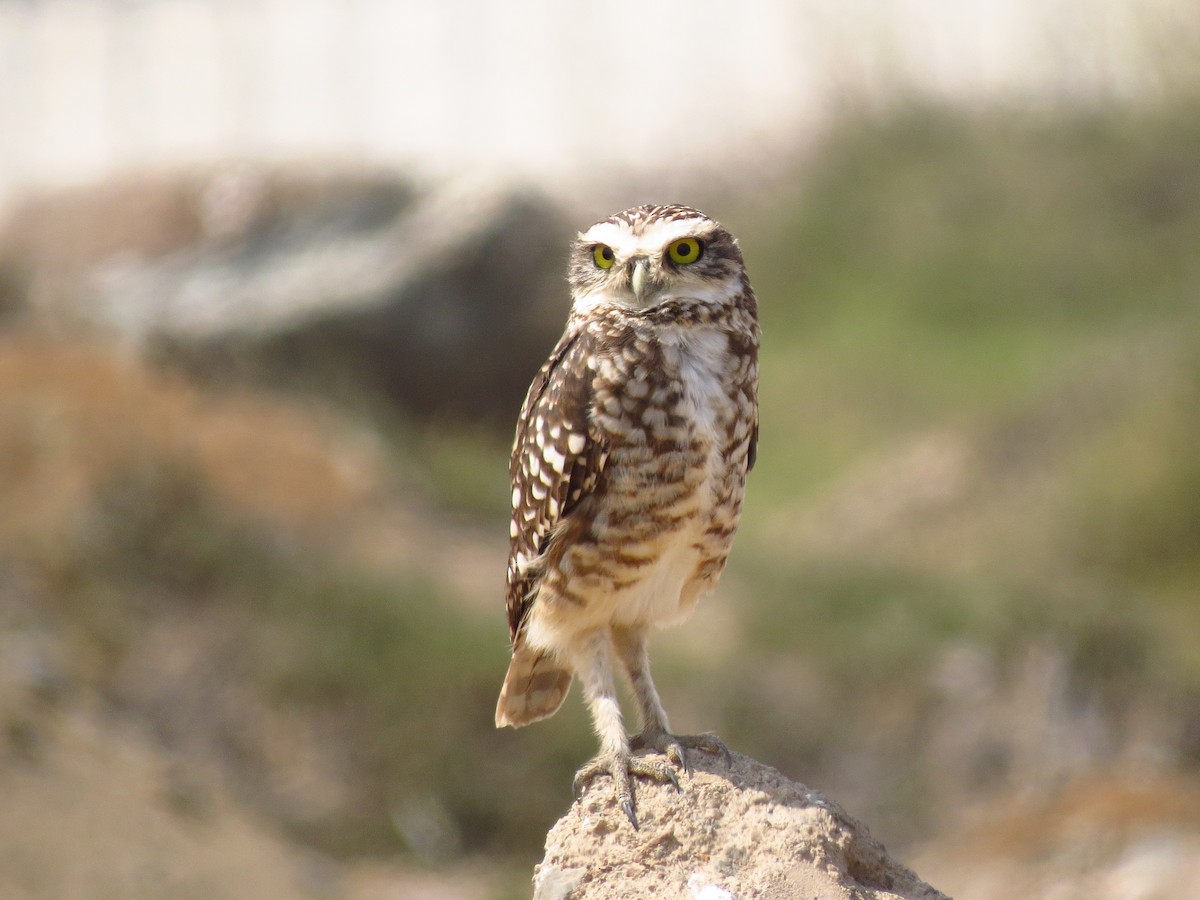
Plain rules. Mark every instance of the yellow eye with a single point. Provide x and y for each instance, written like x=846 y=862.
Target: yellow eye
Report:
x=603 y=255
x=684 y=251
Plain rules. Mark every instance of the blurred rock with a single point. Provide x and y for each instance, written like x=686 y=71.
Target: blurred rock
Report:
x=1110 y=836
x=731 y=833
x=52 y=242
x=442 y=299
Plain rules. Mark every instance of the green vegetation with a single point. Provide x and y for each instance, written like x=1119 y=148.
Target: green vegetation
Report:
x=1028 y=285
x=939 y=266
x=1031 y=281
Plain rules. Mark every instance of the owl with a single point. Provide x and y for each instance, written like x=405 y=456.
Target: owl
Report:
x=628 y=472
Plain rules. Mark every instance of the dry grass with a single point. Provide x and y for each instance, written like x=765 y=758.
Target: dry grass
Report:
x=76 y=415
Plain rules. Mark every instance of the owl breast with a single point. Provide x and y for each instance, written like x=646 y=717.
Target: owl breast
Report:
x=695 y=498
x=673 y=407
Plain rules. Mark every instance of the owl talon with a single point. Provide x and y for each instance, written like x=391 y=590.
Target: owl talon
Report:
x=627 y=806
x=710 y=743
x=622 y=767
x=586 y=776
x=673 y=746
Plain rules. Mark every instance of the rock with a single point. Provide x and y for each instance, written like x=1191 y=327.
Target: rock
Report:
x=731 y=833
x=441 y=298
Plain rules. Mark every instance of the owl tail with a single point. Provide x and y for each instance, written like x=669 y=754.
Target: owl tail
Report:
x=534 y=688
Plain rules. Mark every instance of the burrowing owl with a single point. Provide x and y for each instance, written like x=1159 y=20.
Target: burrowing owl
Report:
x=628 y=472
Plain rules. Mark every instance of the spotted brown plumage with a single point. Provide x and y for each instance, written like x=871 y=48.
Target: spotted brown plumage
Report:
x=628 y=473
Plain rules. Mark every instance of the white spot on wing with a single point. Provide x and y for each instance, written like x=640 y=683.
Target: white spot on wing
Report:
x=556 y=460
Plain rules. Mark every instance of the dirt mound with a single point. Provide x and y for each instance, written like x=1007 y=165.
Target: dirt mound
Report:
x=731 y=833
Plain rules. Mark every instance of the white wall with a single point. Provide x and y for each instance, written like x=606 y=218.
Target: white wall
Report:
x=533 y=86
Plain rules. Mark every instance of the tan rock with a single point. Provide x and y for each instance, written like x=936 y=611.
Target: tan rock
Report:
x=730 y=834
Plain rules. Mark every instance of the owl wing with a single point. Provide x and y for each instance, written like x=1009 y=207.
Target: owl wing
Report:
x=556 y=462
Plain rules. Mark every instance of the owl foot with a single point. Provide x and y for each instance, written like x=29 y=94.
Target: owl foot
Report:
x=673 y=745
x=622 y=767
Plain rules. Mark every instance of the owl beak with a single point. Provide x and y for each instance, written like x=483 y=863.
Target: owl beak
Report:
x=640 y=278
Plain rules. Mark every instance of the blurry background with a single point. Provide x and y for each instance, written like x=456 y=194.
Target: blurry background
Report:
x=275 y=275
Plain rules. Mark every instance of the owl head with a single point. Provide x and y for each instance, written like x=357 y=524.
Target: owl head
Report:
x=647 y=255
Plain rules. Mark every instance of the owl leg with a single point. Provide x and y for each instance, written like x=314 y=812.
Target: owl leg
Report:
x=656 y=732
x=614 y=758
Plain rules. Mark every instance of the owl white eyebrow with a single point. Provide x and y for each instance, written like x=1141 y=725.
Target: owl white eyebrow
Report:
x=650 y=242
